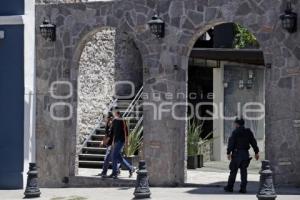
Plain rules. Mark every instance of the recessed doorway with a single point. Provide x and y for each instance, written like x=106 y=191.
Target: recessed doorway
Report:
x=226 y=73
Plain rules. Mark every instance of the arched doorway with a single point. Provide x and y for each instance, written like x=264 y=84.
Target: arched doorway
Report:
x=226 y=79
x=110 y=74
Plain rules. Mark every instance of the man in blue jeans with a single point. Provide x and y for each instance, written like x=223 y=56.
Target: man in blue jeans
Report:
x=119 y=131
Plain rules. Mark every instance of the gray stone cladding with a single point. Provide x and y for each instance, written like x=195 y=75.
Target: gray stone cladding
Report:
x=186 y=20
x=95 y=81
x=107 y=58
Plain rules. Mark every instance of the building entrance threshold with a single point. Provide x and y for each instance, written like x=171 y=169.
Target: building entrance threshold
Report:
x=215 y=174
x=90 y=178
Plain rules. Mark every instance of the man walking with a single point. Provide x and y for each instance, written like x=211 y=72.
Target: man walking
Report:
x=107 y=142
x=119 y=131
x=238 y=152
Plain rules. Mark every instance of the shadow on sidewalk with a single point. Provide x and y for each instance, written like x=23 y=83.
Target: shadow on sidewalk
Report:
x=217 y=188
x=252 y=188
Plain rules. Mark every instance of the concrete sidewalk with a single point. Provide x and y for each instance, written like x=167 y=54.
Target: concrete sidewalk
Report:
x=215 y=173
x=201 y=193
x=202 y=184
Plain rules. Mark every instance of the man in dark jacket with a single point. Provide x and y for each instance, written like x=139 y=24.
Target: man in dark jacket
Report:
x=119 y=131
x=238 y=152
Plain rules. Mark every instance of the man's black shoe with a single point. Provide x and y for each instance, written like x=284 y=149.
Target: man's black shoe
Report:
x=228 y=189
x=112 y=176
x=104 y=176
x=243 y=191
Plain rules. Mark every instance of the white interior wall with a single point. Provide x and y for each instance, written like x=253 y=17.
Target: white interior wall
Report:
x=29 y=78
x=219 y=149
x=219 y=146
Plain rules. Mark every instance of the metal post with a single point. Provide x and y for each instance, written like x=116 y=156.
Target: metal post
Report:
x=32 y=189
x=266 y=188
x=142 y=190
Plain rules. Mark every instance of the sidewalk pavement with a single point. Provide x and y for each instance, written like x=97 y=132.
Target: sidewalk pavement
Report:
x=202 y=184
x=214 y=173
x=200 y=193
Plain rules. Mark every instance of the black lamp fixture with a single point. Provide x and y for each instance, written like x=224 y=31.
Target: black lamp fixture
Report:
x=157 y=26
x=289 y=19
x=48 y=30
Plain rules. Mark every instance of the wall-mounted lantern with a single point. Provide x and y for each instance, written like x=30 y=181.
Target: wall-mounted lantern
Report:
x=48 y=30
x=289 y=19
x=157 y=26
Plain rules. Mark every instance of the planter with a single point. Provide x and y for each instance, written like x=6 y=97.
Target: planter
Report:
x=200 y=162
x=192 y=162
x=132 y=160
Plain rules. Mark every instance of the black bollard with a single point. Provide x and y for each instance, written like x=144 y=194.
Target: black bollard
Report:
x=142 y=190
x=32 y=190
x=266 y=188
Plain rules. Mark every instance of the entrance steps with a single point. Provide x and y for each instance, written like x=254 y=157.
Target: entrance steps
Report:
x=92 y=153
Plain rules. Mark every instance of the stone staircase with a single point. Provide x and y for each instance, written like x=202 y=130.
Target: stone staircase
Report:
x=92 y=154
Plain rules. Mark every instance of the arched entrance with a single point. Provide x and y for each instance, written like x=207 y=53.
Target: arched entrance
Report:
x=226 y=79
x=165 y=71
x=110 y=74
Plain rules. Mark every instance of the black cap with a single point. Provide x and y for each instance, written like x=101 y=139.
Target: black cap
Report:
x=239 y=121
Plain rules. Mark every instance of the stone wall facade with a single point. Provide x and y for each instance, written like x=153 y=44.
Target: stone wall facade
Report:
x=107 y=57
x=185 y=21
x=95 y=80
x=129 y=66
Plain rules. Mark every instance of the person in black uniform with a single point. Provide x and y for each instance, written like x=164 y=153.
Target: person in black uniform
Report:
x=238 y=152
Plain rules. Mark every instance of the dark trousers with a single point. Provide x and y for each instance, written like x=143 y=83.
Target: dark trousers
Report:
x=107 y=160
x=240 y=160
x=118 y=158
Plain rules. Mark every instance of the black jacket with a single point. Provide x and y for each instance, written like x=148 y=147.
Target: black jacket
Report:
x=108 y=132
x=241 y=139
x=119 y=130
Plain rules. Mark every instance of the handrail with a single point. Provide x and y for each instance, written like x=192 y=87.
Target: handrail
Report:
x=133 y=103
x=138 y=123
x=98 y=124
x=125 y=114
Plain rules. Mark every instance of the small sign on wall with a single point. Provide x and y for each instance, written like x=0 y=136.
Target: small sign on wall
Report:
x=1 y=35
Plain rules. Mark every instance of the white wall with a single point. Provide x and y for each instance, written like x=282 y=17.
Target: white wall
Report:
x=220 y=146
x=219 y=149
x=29 y=97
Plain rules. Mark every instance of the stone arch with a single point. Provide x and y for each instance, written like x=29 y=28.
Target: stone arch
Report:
x=263 y=30
x=82 y=42
x=185 y=21
x=95 y=79
x=199 y=31
x=125 y=63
